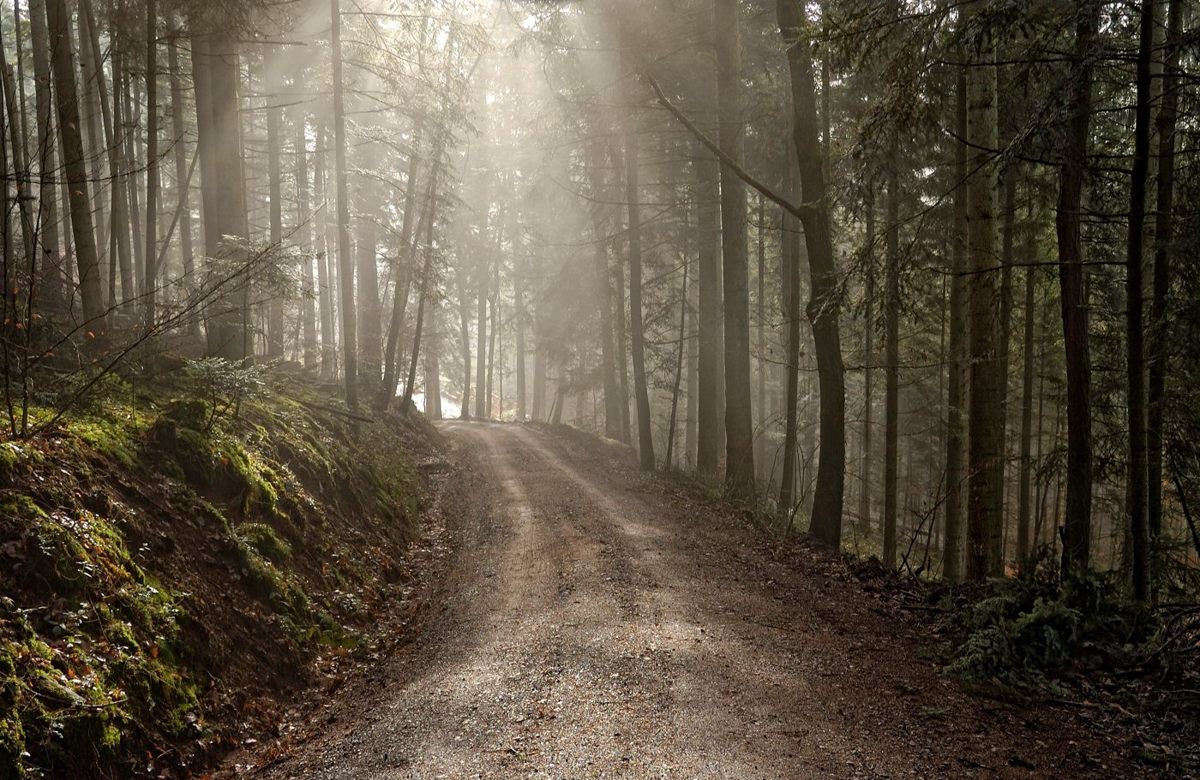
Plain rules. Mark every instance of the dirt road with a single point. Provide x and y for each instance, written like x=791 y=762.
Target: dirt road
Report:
x=597 y=623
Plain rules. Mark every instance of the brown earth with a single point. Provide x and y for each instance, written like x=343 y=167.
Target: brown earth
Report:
x=595 y=622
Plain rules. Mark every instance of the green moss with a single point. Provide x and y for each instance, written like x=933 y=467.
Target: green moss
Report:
x=103 y=675
x=12 y=743
x=21 y=507
x=213 y=460
x=113 y=439
x=11 y=455
x=187 y=413
x=277 y=587
x=264 y=539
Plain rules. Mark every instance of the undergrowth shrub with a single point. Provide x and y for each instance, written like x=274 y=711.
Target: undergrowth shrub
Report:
x=1019 y=634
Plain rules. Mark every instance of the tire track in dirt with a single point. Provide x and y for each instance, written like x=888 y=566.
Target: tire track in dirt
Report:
x=595 y=626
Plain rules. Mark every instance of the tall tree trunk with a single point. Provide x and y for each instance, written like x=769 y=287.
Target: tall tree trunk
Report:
x=304 y=228
x=1164 y=229
x=957 y=387
x=612 y=400
x=538 y=407
x=710 y=444
x=464 y=318
x=371 y=320
x=231 y=323
x=739 y=419
x=985 y=473
x=20 y=161
x=183 y=188
x=1077 y=532
x=493 y=301
x=123 y=215
x=407 y=257
x=691 y=429
x=96 y=138
x=345 y=259
x=62 y=52
x=892 y=390
x=1008 y=229
x=636 y=314
x=521 y=318
x=621 y=355
x=424 y=291
x=760 y=456
x=324 y=252
x=612 y=404
x=683 y=307
x=791 y=297
x=864 y=498
x=150 y=274
x=55 y=292
x=824 y=306
x=204 y=137
x=133 y=165
x=275 y=319
x=481 y=285
x=433 y=371
x=1025 y=489
x=1134 y=306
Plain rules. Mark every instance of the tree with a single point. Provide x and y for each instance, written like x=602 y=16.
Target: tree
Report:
x=62 y=56
x=1134 y=306
x=345 y=258
x=1164 y=235
x=892 y=391
x=150 y=274
x=1077 y=530
x=985 y=479
x=824 y=305
x=739 y=419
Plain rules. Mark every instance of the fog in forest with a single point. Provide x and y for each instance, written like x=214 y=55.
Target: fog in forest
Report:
x=907 y=288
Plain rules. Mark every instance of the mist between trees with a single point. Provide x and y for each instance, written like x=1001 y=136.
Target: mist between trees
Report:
x=918 y=278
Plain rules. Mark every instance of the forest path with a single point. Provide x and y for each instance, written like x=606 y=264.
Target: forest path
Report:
x=596 y=623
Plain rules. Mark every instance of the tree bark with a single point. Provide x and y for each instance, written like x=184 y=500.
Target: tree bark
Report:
x=985 y=472
x=1164 y=234
x=187 y=251
x=710 y=444
x=371 y=320
x=407 y=256
x=304 y=231
x=1025 y=484
x=87 y=262
x=892 y=390
x=275 y=325
x=791 y=297
x=324 y=255
x=824 y=305
x=150 y=274
x=481 y=284
x=683 y=306
x=739 y=415
x=520 y=317
x=1134 y=307
x=464 y=318
x=864 y=498
x=345 y=259
x=55 y=292
x=1077 y=531
x=636 y=316
x=424 y=286
x=761 y=415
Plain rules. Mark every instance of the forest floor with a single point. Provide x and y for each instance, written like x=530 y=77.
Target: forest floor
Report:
x=593 y=622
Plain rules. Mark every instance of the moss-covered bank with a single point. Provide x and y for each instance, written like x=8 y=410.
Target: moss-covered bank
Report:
x=166 y=570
